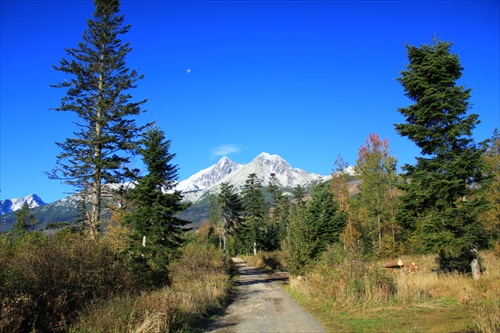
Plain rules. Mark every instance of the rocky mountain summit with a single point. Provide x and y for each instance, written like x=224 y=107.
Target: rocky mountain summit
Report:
x=14 y=204
x=207 y=181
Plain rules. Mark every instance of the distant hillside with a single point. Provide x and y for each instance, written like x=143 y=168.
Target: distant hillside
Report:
x=196 y=189
x=64 y=210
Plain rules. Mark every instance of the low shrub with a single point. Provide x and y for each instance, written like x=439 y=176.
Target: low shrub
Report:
x=347 y=279
x=46 y=281
x=200 y=284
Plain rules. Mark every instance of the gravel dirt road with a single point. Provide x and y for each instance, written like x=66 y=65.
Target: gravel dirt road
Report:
x=262 y=306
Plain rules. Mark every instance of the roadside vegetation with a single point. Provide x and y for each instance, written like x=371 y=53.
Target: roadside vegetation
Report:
x=68 y=283
x=349 y=293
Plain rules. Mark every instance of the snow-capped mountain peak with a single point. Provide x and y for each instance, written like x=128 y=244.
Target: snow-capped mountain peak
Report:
x=207 y=177
x=14 y=204
x=266 y=164
x=209 y=180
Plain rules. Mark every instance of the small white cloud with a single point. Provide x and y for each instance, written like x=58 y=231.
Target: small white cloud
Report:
x=225 y=150
x=188 y=70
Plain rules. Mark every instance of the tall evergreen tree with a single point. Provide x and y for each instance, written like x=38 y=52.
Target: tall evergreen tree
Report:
x=300 y=242
x=279 y=212
x=274 y=188
x=323 y=215
x=439 y=205
x=231 y=208
x=298 y=194
x=313 y=226
x=255 y=212
x=215 y=217
x=98 y=93
x=25 y=220
x=157 y=232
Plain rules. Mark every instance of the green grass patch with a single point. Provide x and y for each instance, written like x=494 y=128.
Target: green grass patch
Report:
x=431 y=317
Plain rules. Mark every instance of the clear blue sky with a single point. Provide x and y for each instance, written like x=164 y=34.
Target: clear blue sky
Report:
x=307 y=80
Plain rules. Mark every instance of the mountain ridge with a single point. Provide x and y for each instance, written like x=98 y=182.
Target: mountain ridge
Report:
x=15 y=204
x=263 y=166
x=196 y=188
x=209 y=176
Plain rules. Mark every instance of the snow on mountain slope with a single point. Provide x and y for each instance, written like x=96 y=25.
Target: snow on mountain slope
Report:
x=263 y=166
x=14 y=204
x=209 y=176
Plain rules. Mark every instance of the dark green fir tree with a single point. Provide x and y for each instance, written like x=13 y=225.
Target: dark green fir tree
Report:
x=440 y=205
x=98 y=92
x=157 y=232
x=255 y=213
x=231 y=210
x=324 y=217
x=278 y=213
x=25 y=220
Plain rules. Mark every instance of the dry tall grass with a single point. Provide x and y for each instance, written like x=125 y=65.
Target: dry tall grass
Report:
x=482 y=296
x=267 y=260
x=199 y=284
x=349 y=283
x=46 y=281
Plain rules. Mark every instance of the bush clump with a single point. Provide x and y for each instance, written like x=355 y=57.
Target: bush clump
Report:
x=347 y=279
x=200 y=284
x=45 y=281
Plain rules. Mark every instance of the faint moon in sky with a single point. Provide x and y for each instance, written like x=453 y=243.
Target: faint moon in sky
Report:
x=188 y=70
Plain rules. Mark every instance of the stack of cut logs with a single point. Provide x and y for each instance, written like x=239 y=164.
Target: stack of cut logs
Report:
x=410 y=266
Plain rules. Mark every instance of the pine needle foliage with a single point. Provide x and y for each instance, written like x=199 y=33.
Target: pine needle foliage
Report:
x=440 y=205
x=157 y=232
x=98 y=93
x=255 y=214
x=25 y=221
x=231 y=212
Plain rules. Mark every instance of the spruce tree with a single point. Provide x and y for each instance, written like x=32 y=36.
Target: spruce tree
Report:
x=25 y=220
x=298 y=194
x=300 y=243
x=255 y=213
x=215 y=217
x=323 y=216
x=275 y=189
x=157 y=232
x=279 y=212
x=231 y=209
x=98 y=93
x=313 y=226
x=439 y=205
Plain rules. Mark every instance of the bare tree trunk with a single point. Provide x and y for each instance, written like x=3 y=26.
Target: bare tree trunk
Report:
x=96 y=189
x=92 y=229
x=225 y=232
x=95 y=212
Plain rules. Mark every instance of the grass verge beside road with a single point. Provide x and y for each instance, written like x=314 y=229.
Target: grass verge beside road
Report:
x=351 y=296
